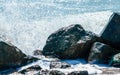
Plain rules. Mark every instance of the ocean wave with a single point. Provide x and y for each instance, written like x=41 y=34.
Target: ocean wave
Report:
x=32 y=35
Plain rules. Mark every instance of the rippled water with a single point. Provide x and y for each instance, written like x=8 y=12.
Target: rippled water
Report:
x=29 y=10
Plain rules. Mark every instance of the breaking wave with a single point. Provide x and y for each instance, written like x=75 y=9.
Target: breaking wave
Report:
x=28 y=23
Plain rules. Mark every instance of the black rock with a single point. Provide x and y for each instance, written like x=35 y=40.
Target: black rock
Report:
x=12 y=57
x=101 y=53
x=58 y=43
x=85 y=43
x=111 y=33
x=70 y=42
x=55 y=64
x=79 y=73
x=56 y=72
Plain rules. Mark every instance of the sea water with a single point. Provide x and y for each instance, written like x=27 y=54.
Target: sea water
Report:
x=28 y=23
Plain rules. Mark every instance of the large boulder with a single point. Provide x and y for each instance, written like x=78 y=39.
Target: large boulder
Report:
x=59 y=43
x=70 y=42
x=85 y=43
x=11 y=56
x=111 y=33
x=101 y=53
x=115 y=61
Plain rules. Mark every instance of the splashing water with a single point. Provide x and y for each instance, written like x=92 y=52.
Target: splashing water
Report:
x=28 y=23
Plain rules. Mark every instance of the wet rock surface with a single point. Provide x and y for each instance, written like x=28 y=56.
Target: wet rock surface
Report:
x=70 y=42
x=111 y=33
x=85 y=43
x=58 y=43
x=10 y=56
x=101 y=53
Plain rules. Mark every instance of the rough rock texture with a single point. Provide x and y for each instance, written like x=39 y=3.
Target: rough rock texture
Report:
x=79 y=73
x=101 y=53
x=56 y=72
x=85 y=43
x=11 y=56
x=70 y=42
x=56 y=64
x=115 y=61
x=111 y=33
x=58 y=43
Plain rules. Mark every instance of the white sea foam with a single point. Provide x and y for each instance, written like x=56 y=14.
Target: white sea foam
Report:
x=29 y=36
x=28 y=23
x=76 y=65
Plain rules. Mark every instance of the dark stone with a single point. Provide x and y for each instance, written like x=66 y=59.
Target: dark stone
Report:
x=32 y=68
x=37 y=52
x=29 y=59
x=111 y=33
x=70 y=42
x=55 y=64
x=85 y=43
x=56 y=72
x=115 y=61
x=58 y=43
x=44 y=72
x=101 y=53
x=79 y=73
x=12 y=57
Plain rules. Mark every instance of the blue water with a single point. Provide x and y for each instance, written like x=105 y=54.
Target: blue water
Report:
x=29 y=10
x=28 y=23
